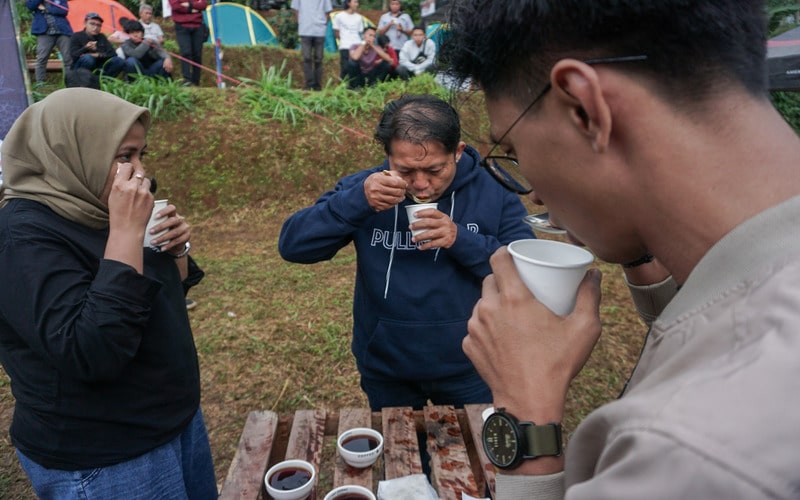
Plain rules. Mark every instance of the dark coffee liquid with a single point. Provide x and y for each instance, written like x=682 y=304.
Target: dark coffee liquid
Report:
x=359 y=444
x=289 y=479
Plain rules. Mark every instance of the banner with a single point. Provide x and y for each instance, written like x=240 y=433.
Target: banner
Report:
x=13 y=70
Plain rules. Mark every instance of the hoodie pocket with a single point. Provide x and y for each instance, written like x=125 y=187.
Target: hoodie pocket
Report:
x=416 y=350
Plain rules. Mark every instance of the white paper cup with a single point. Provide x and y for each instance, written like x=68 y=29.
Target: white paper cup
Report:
x=551 y=270
x=159 y=205
x=411 y=210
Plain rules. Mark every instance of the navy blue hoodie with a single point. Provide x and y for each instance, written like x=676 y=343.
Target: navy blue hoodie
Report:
x=410 y=307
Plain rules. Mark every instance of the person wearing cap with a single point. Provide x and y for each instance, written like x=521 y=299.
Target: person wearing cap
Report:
x=91 y=50
x=143 y=56
x=52 y=29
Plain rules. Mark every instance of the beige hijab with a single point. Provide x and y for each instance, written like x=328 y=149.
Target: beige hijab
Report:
x=60 y=150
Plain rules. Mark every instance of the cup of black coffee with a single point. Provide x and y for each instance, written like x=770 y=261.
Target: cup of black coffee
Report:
x=290 y=480
x=360 y=447
x=350 y=492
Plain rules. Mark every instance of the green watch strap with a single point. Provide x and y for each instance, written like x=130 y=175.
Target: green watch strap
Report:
x=543 y=440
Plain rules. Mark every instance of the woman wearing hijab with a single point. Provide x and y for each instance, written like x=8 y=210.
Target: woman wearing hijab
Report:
x=94 y=332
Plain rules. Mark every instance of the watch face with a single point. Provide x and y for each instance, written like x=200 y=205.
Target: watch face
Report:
x=501 y=441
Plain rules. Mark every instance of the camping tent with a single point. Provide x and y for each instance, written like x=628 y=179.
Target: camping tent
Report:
x=437 y=33
x=236 y=24
x=14 y=97
x=783 y=61
x=109 y=10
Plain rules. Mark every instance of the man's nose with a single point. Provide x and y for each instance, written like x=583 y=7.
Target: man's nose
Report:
x=419 y=179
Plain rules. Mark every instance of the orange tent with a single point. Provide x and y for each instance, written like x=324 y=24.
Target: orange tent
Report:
x=109 y=10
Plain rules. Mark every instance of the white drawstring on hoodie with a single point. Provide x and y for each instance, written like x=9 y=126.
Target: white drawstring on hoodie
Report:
x=394 y=242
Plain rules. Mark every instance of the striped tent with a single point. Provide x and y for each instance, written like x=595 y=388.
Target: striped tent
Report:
x=236 y=24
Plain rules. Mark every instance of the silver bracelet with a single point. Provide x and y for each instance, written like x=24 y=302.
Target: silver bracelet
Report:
x=186 y=247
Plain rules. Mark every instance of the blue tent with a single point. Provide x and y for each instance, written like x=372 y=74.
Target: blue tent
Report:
x=436 y=32
x=14 y=97
x=236 y=24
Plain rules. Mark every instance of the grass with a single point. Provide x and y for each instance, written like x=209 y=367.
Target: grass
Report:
x=272 y=335
x=165 y=99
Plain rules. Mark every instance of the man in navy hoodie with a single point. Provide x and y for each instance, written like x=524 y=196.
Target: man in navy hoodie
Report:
x=413 y=295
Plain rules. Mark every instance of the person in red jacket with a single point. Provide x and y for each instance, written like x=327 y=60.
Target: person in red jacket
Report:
x=190 y=33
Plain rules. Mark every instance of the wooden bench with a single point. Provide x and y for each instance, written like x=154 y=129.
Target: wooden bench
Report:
x=457 y=464
x=53 y=65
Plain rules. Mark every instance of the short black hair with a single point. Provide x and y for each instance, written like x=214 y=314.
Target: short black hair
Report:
x=131 y=25
x=693 y=47
x=419 y=119
x=370 y=28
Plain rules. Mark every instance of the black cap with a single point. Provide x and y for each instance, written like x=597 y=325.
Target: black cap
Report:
x=93 y=15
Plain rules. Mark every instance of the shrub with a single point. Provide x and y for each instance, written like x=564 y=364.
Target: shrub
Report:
x=285 y=24
x=165 y=98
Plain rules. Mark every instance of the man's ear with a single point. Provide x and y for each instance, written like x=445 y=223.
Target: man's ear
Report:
x=578 y=85
x=460 y=150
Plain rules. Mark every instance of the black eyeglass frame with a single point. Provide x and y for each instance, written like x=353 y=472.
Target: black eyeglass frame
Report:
x=500 y=174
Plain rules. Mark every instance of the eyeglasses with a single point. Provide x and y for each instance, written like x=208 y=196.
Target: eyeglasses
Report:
x=95 y=25
x=505 y=169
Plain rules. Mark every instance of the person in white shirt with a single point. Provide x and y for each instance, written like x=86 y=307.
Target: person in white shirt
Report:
x=417 y=55
x=152 y=31
x=396 y=25
x=348 y=27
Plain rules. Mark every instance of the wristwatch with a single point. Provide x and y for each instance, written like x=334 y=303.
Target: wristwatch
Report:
x=507 y=441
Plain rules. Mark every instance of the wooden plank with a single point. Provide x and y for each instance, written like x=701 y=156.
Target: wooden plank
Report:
x=400 y=449
x=52 y=64
x=451 y=473
x=306 y=439
x=246 y=474
x=475 y=418
x=350 y=418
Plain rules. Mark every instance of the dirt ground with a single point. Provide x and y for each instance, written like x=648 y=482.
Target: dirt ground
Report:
x=259 y=325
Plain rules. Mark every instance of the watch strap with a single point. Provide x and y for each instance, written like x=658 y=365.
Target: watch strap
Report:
x=542 y=440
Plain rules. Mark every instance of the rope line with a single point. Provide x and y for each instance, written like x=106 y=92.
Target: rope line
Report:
x=220 y=75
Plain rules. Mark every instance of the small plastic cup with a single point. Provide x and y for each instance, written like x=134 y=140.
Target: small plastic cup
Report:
x=411 y=210
x=157 y=207
x=551 y=270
